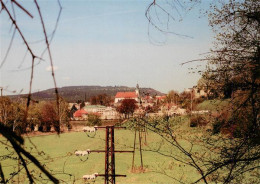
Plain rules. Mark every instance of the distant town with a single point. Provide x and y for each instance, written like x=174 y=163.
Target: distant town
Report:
x=146 y=104
x=105 y=104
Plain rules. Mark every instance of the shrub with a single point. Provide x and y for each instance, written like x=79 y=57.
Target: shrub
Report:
x=198 y=120
x=193 y=123
x=94 y=119
x=217 y=127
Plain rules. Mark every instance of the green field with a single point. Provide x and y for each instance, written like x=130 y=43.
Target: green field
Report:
x=213 y=105
x=160 y=167
x=58 y=157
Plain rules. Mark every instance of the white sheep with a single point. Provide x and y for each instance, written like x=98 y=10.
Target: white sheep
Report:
x=86 y=177
x=90 y=177
x=78 y=153
x=93 y=176
x=92 y=129
x=86 y=129
x=84 y=153
x=89 y=129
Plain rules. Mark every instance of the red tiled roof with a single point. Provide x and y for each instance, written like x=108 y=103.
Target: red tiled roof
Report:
x=147 y=97
x=126 y=95
x=160 y=97
x=79 y=113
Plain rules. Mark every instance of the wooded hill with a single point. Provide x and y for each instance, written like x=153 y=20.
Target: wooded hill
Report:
x=75 y=93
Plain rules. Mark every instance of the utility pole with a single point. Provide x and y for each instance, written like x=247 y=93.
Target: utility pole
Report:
x=1 y=88
x=110 y=173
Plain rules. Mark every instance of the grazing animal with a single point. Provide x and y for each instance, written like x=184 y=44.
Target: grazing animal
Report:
x=82 y=153
x=92 y=129
x=86 y=177
x=89 y=129
x=78 y=153
x=90 y=177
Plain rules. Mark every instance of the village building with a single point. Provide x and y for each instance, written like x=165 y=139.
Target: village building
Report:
x=103 y=111
x=80 y=114
x=95 y=108
x=171 y=109
x=160 y=98
x=147 y=101
x=199 y=93
x=196 y=93
x=110 y=113
x=128 y=95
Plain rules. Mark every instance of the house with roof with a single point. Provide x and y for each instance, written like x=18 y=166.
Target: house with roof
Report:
x=196 y=92
x=95 y=108
x=125 y=95
x=110 y=113
x=103 y=111
x=160 y=98
x=80 y=114
x=128 y=95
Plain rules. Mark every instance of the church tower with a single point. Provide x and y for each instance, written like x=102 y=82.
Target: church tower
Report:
x=137 y=90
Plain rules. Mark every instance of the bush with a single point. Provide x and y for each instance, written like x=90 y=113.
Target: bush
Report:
x=217 y=127
x=94 y=119
x=236 y=125
x=198 y=120
x=193 y=123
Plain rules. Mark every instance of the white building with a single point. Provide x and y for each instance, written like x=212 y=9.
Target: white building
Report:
x=128 y=95
x=103 y=111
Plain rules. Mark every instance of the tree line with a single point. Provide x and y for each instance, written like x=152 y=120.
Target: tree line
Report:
x=43 y=114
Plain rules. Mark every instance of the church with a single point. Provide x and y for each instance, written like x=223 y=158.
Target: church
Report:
x=128 y=95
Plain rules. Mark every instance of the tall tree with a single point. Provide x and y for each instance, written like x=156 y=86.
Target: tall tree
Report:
x=233 y=72
x=6 y=110
x=64 y=112
x=172 y=97
x=49 y=117
x=127 y=107
x=235 y=61
x=101 y=99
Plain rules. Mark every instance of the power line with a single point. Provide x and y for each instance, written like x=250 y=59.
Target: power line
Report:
x=110 y=173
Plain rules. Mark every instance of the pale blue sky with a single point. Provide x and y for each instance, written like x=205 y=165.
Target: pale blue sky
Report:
x=104 y=42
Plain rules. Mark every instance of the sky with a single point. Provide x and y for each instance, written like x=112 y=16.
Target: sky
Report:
x=106 y=43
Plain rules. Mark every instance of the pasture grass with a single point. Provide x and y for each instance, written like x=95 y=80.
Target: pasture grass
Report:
x=213 y=105
x=56 y=152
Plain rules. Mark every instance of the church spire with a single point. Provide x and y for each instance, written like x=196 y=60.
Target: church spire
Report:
x=137 y=90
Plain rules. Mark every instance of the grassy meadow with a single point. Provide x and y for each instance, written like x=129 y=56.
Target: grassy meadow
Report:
x=56 y=153
x=213 y=105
